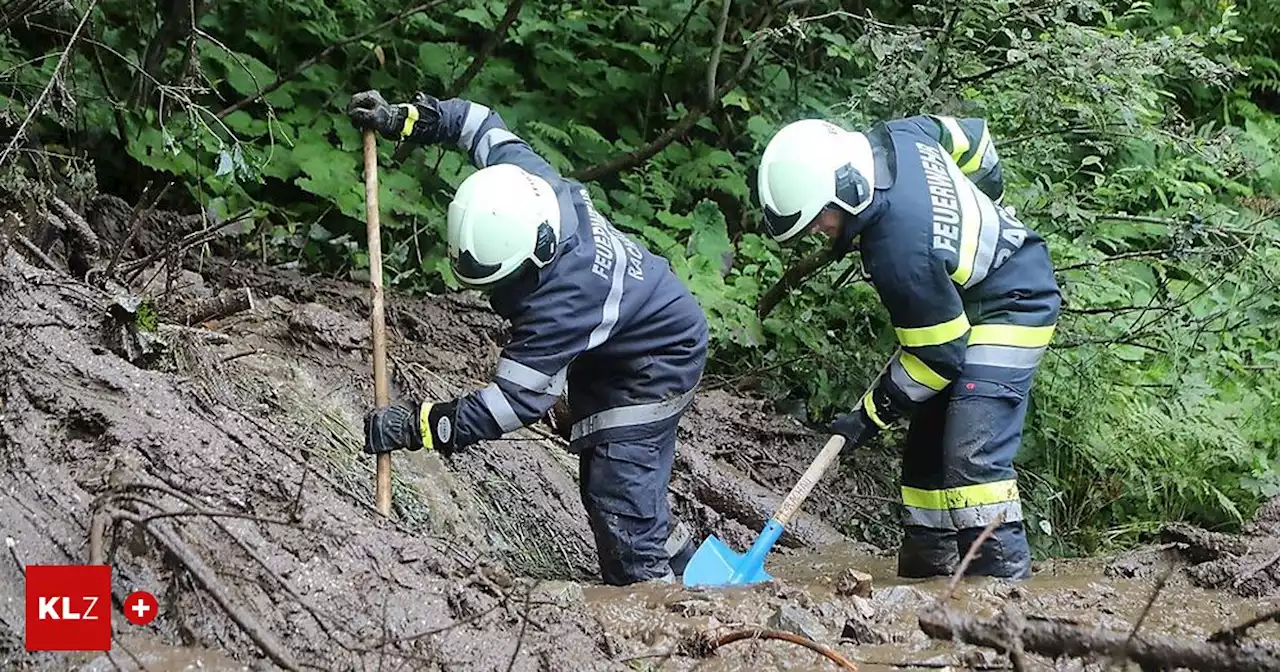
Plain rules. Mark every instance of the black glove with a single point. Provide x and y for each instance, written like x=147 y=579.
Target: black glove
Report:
x=418 y=121
x=855 y=427
x=400 y=427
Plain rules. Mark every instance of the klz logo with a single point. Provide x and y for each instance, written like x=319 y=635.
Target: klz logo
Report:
x=68 y=608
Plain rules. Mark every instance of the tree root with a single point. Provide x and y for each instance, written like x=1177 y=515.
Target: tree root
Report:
x=708 y=644
x=1055 y=639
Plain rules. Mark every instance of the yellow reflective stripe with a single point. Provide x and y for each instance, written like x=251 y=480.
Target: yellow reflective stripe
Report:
x=870 y=407
x=921 y=373
x=970 y=228
x=920 y=337
x=1011 y=334
x=959 y=141
x=424 y=426
x=409 y=119
x=975 y=161
x=964 y=496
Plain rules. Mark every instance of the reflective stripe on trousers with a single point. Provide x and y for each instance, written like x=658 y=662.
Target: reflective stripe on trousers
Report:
x=963 y=507
x=630 y=416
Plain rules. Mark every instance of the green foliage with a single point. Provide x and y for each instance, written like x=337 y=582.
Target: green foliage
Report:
x=1142 y=139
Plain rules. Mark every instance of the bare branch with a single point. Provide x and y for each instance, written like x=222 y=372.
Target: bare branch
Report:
x=284 y=79
x=713 y=63
x=637 y=156
x=486 y=50
x=35 y=107
x=793 y=276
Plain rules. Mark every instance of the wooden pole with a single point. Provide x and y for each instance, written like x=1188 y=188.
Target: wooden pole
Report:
x=381 y=393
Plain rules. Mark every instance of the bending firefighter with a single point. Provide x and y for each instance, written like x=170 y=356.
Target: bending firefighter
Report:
x=971 y=295
x=589 y=308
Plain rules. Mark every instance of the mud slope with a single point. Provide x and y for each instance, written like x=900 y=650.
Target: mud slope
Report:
x=219 y=467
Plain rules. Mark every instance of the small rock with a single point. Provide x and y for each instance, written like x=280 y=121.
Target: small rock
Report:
x=862 y=606
x=694 y=606
x=853 y=582
x=899 y=596
x=860 y=632
x=799 y=621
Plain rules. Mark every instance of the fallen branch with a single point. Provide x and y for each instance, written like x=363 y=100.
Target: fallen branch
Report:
x=793 y=276
x=709 y=647
x=209 y=581
x=1232 y=635
x=227 y=303
x=1055 y=639
x=972 y=553
x=36 y=252
x=301 y=67
x=35 y=107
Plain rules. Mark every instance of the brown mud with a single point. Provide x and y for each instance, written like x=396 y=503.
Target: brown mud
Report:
x=219 y=467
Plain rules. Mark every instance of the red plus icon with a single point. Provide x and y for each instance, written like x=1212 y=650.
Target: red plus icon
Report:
x=140 y=607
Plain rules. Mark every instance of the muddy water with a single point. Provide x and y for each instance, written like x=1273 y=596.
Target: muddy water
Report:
x=656 y=618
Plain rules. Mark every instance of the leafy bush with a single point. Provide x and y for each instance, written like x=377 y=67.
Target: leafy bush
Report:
x=1140 y=138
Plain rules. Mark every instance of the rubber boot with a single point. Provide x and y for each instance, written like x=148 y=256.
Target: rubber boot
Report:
x=926 y=553
x=683 y=536
x=1005 y=554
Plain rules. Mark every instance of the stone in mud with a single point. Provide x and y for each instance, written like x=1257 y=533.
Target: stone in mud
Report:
x=905 y=597
x=853 y=582
x=798 y=621
x=858 y=631
x=862 y=607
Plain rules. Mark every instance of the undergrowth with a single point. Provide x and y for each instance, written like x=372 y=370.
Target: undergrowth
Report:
x=1140 y=138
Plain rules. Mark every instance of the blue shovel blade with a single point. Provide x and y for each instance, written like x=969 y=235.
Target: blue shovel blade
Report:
x=715 y=564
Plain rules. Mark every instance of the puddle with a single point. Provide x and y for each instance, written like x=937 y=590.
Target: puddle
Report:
x=658 y=617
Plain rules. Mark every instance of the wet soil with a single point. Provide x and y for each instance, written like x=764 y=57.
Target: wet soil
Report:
x=218 y=466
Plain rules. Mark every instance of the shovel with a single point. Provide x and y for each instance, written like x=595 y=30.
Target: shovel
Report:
x=715 y=564
x=377 y=321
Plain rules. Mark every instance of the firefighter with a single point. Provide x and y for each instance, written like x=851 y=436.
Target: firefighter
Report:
x=589 y=308
x=971 y=294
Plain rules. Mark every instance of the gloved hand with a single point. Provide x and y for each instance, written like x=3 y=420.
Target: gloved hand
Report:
x=855 y=427
x=401 y=426
x=558 y=419
x=417 y=121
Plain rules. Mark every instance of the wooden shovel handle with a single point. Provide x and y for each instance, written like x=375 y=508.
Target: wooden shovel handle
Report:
x=791 y=505
x=381 y=392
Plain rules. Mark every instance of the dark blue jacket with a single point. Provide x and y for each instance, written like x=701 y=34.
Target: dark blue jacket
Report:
x=953 y=268
x=604 y=297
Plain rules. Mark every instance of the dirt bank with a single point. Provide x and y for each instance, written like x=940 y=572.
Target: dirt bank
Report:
x=218 y=465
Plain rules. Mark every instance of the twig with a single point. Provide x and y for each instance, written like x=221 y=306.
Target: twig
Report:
x=793 y=276
x=207 y=579
x=1151 y=600
x=972 y=553
x=138 y=218
x=38 y=253
x=35 y=107
x=287 y=77
x=524 y=625
x=495 y=38
x=134 y=268
x=755 y=633
x=1233 y=635
x=713 y=63
x=696 y=112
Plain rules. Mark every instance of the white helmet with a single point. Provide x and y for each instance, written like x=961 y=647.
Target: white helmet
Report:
x=501 y=217
x=809 y=165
